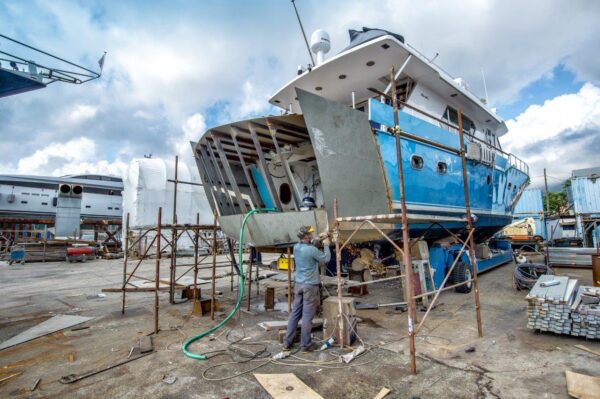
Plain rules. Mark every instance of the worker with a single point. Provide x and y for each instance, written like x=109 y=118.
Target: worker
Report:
x=307 y=286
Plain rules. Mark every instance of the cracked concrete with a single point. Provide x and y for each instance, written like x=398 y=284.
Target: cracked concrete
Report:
x=509 y=361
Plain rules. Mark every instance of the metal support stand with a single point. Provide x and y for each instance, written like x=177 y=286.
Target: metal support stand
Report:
x=353 y=224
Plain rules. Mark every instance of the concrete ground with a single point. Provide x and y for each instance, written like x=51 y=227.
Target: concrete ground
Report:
x=510 y=361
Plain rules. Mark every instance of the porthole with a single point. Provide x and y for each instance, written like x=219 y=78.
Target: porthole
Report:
x=285 y=193
x=488 y=180
x=416 y=162
x=442 y=168
x=342 y=76
x=370 y=63
x=318 y=88
x=385 y=46
x=509 y=186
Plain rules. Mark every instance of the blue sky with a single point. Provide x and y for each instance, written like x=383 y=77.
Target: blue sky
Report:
x=558 y=81
x=173 y=69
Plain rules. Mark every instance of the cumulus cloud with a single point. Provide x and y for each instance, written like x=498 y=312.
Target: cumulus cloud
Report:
x=166 y=65
x=80 y=113
x=73 y=157
x=562 y=134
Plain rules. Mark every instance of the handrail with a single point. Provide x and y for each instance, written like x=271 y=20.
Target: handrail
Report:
x=518 y=163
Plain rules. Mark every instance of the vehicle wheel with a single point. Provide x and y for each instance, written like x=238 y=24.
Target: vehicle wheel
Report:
x=462 y=272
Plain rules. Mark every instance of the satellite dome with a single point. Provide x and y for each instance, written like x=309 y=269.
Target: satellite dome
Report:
x=320 y=44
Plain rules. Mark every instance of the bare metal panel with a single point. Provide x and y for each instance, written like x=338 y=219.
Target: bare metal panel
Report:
x=347 y=156
x=56 y=323
x=273 y=229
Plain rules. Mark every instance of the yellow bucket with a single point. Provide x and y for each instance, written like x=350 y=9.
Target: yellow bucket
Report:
x=282 y=263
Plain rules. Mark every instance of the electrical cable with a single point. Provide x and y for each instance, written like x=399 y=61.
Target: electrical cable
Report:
x=195 y=338
x=526 y=275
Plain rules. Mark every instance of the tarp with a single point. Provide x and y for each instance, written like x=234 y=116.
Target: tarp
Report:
x=146 y=188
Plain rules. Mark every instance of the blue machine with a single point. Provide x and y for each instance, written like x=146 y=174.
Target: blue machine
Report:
x=17 y=255
x=440 y=260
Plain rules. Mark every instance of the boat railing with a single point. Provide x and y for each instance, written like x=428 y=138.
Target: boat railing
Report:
x=512 y=159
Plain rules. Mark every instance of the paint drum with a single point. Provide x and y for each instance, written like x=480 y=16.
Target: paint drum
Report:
x=596 y=270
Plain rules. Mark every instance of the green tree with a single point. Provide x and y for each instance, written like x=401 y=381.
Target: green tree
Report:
x=557 y=200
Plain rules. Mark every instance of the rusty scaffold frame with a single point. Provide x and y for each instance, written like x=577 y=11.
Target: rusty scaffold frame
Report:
x=161 y=243
x=406 y=220
x=198 y=234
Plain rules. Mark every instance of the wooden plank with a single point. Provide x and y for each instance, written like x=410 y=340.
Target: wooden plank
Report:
x=286 y=386
x=382 y=393
x=585 y=348
x=582 y=386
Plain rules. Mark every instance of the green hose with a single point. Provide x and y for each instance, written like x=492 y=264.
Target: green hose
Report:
x=195 y=338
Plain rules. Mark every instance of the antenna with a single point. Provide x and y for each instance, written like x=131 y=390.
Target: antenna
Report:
x=487 y=100
x=303 y=34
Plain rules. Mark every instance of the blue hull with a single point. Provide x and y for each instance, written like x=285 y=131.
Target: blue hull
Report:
x=434 y=186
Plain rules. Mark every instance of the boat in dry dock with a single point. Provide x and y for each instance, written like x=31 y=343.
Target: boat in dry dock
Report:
x=335 y=139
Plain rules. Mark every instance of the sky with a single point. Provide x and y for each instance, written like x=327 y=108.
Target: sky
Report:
x=175 y=68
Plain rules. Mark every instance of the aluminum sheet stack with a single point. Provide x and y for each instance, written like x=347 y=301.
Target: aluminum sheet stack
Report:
x=550 y=301
x=585 y=313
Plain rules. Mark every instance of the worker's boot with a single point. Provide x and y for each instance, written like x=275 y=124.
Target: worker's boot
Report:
x=310 y=348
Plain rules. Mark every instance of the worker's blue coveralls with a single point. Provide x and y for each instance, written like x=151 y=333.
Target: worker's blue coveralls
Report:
x=306 y=291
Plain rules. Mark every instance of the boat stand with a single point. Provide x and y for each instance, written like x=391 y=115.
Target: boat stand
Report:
x=351 y=225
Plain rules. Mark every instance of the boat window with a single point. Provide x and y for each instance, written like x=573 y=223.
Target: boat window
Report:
x=285 y=193
x=488 y=136
x=44 y=203
x=451 y=115
x=416 y=162
x=489 y=180
x=509 y=185
x=442 y=168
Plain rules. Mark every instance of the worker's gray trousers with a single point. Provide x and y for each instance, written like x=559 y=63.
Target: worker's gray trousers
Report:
x=306 y=299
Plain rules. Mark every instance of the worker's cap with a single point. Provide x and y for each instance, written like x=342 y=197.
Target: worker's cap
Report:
x=305 y=230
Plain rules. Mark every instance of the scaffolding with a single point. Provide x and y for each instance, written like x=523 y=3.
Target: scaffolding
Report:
x=205 y=238
x=354 y=224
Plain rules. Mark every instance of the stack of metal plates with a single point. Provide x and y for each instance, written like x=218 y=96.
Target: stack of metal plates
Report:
x=550 y=301
x=585 y=313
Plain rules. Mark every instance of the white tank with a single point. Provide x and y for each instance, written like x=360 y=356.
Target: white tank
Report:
x=320 y=44
x=146 y=188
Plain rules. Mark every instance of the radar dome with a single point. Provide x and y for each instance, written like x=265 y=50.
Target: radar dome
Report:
x=320 y=44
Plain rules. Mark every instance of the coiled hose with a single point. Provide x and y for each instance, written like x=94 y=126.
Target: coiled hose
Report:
x=195 y=338
x=526 y=275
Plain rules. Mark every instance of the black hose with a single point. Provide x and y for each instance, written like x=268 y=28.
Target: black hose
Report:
x=526 y=275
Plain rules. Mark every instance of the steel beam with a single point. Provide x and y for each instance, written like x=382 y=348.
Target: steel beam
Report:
x=255 y=197
x=220 y=178
x=219 y=194
x=265 y=169
x=286 y=166
x=230 y=176
x=202 y=161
